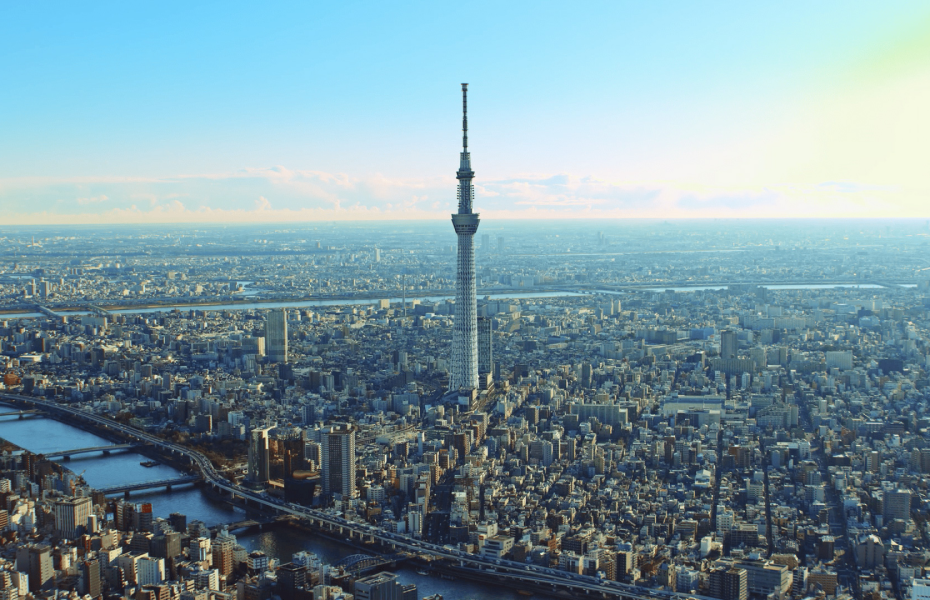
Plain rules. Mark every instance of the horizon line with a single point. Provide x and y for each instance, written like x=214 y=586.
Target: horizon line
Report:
x=443 y=219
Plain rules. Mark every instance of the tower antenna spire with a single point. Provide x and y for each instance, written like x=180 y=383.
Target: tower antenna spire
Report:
x=465 y=117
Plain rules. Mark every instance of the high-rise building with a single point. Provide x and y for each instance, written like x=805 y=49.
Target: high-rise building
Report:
x=276 y=335
x=200 y=549
x=71 y=516
x=178 y=521
x=729 y=584
x=464 y=373
x=873 y=461
x=728 y=347
x=259 y=459
x=166 y=545
x=37 y=562
x=587 y=374
x=897 y=505
x=90 y=578
x=223 y=549
x=150 y=570
x=870 y=552
x=339 y=461
x=485 y=348
x=291 y=578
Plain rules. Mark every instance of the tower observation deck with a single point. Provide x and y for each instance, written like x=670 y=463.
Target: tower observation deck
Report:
x=464 y=373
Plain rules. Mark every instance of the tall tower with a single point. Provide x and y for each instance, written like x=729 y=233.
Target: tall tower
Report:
x=465 y=327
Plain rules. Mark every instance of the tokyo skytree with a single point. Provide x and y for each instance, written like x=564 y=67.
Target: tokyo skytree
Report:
x=465 y=326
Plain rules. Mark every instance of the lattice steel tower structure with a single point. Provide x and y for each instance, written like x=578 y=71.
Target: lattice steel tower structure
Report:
x=465 y=326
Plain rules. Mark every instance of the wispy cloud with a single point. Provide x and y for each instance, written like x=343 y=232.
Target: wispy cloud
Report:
x=93 y=200
x=280 y=194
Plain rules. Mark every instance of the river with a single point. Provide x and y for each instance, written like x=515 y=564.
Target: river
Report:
x=777 y=287
x=43 y=435
x=287 y=304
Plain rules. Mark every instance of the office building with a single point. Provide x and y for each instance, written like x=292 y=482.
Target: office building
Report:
x=897 y=505
x=291 y=578
x=276 y=335
x=764 y=577
x=150 y=570
x=729 y=584
x=728 y=346
x=339 y=462
x=166 y=545
x=90 y=578
x=71 y=516
x=920 y=589
x=36 y=561
x=870 y=552
x=464 y=373
x=222 y=550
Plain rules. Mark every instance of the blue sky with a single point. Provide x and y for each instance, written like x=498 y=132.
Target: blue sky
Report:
x=140 y=112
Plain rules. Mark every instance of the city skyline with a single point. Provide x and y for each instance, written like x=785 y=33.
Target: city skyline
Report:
x=308 y=114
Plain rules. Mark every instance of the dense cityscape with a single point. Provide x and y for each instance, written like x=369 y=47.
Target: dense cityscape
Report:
x=665 y=409
x=289 y=312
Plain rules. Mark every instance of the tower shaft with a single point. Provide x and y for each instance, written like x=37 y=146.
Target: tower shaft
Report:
x=464 y=373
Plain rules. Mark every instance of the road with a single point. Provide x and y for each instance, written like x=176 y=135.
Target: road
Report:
x=506 y=569
x=846 y=568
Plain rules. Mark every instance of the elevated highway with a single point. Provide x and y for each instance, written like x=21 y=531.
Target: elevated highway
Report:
x=98 y=311
x=515 y=573
x=48 y=312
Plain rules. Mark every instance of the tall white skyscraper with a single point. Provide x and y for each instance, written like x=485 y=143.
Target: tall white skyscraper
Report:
x=339 y=461
x=276 y=335
x=465 y=326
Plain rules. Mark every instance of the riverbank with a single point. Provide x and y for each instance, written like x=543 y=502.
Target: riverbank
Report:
x=42 y=435
x=8 y=446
